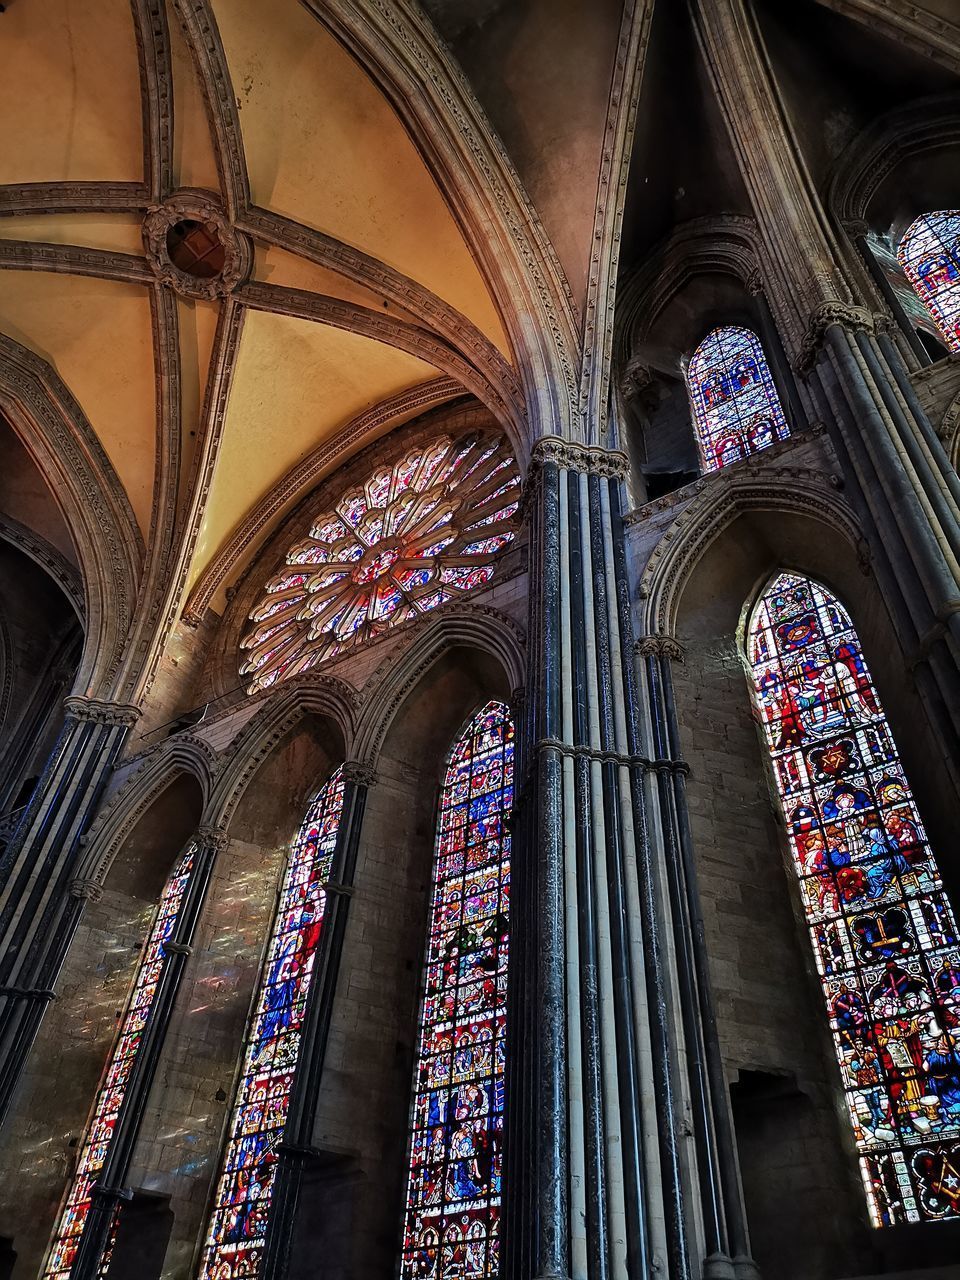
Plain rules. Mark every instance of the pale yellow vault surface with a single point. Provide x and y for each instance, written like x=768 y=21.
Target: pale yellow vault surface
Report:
x=295 y=384
x=115 y=232
x=194 y=160
x=69 y=92
x=324 y=147
x=97 y=335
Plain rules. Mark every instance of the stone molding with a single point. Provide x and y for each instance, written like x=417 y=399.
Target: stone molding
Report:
x=570 y=456
x=198 y=206
x=656 y=646
x=360 y=774
x=87 y=890
x=852 y=319
x=215 y=838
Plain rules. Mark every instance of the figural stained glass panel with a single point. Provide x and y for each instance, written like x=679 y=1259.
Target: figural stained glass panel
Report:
x=930 y=256
x=736 y=408
x=452 y=1224
x=96 y=1143
x=883 y=933
x=416 y=534
x=237 y=1231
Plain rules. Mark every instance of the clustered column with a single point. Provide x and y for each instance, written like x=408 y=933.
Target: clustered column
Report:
x=38 y=912
x=603 y=1195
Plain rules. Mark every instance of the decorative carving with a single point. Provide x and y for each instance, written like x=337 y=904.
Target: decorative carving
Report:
x=570 y=456
x=360 y=774
x=88 y=890
x=660 y=646
x=212 y=837
x=827 y=314
x=203 y=207
x=97 y=711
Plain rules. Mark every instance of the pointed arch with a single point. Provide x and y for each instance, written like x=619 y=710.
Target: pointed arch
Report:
x=451 y=1225
x=884 y=937
x=736 y=409
x=929 y=254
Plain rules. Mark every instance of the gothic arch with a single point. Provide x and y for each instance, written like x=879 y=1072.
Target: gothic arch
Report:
x=53 y=428
x=716 y=505
x=472 y=627
x=904 y=134
x=119 y=817
x=281 y=710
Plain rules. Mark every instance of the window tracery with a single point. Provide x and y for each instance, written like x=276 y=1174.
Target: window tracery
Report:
x=110 y=1096
x=414 y=535
x=238 y=1224
x=883 y=933
x=735 y=404
x=452 y=1223
x=929 y=254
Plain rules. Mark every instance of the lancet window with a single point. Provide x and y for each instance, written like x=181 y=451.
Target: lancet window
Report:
x=413 y=536
x=95 y=1147
x=929 y=254
x=452 y=1224
x=238 y=1224
x=735 y=404
x=883 y=933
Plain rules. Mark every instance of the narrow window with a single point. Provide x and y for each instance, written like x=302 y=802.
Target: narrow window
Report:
x=452 y=1226
x=883 y=934
x=235 y=1238
x=96 y=1142
x=930 y=256
x=736 y=408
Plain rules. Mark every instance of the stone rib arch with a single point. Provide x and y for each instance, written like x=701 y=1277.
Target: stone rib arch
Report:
x=55 y=431
x=474 y=627
x=312 y=695
x=717 y=504
x=116 y=821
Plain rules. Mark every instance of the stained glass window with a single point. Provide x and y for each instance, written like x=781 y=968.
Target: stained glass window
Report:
x=452 y=1224
x=237 y=1231
x=883 y=933
x=930 y=256
x=96 y=1143
x=416 y=534
x=735 y=405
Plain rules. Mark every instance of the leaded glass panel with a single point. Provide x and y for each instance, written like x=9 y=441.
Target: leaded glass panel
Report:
x=735 y=405
x=238 y=1225
x=930 y=256
x=452 y=1224
x=883 y=933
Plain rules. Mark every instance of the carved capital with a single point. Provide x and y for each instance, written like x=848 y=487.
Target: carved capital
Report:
x=214 y=838
x=79 y=707
x=660 y=646
x=204 y=207
x=854 y=319
x=571 y=456
x=360 y=774
x=89 y=890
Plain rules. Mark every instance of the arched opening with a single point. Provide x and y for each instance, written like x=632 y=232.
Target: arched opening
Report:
x=929 y=255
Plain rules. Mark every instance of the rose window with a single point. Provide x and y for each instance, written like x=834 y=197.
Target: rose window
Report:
x=413 y=536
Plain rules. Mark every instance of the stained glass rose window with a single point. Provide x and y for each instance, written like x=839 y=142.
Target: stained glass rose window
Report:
x=414 y=535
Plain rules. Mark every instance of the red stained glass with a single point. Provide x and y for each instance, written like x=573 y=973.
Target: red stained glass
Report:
x=735 y=405
x=452 y=1223
x=930 y=256
x=96 y=1143
x=238 y=1224
x=883 y=933
x=386 y=542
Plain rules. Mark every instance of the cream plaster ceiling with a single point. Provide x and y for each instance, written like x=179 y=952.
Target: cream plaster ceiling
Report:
x=322 y=148
x=97 y=335
x=69 y=92
x=295 y=383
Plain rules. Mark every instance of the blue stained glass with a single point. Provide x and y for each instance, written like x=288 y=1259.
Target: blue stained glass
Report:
x=238 y=1224
x=735 y=405
x=452 y=1224
x=930 y=256
x=883 y=933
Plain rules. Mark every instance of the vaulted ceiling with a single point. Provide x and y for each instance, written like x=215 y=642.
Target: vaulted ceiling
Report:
x=376 y=284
